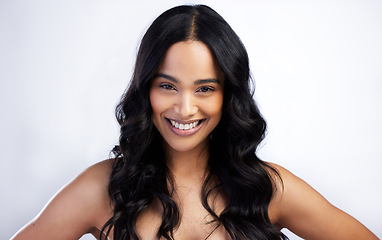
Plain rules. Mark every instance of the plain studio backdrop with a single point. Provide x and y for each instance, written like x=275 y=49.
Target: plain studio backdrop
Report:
x=317 y=67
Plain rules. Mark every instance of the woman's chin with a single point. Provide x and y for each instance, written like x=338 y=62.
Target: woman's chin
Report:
x=186 y=147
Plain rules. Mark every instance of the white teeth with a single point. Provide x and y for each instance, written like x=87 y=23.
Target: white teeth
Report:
x=182 y=126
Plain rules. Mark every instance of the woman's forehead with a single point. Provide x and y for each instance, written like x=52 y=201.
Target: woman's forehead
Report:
x=190 y=60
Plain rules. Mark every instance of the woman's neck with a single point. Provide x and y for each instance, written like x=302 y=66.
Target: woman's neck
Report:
x=190 y=165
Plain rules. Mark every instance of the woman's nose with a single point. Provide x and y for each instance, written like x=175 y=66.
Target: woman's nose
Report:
x=187 y=106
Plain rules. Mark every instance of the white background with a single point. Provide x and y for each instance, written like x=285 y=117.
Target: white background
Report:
x=317 y=67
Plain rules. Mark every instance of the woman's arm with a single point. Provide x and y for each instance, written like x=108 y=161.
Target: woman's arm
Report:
x=301 y=209
x=79 y=208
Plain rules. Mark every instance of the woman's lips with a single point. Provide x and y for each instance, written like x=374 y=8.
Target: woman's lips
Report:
x=185 y=129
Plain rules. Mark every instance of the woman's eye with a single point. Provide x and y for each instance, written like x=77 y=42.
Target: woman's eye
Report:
x=206 y=89
x=167 y=86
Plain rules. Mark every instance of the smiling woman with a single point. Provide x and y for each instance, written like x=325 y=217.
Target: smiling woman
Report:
x=186 y=166
x=187 y=96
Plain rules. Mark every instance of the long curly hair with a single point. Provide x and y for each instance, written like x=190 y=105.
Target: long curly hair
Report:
x=139 y=172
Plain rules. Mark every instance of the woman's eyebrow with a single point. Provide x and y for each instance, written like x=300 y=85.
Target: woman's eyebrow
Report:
x=162 y=75
x=197 y=82
x=207 y=80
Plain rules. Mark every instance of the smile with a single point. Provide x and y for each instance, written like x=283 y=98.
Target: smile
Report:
x=185 y=129
x=184 y=126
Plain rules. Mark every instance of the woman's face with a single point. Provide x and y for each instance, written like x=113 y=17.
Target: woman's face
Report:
x=187 y=96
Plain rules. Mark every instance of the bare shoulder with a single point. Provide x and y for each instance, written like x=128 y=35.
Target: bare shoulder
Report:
x=300 y=208
x=92 y=184
x=97 y=175
x=78 y=208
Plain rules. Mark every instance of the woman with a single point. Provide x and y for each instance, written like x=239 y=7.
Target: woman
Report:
x=186 y=166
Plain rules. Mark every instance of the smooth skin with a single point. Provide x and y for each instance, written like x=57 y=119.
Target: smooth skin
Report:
x=178 y=94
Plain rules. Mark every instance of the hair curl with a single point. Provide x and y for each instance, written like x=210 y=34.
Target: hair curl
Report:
x=139 y=172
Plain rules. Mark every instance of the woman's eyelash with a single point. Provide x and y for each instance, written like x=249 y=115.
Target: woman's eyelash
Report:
x=167 y=86
x=206 y=89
